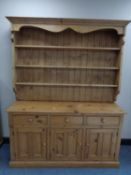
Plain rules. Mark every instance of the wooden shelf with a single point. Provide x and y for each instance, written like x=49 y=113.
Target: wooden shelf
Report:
x=65 y=67
x=64 y=60
x=67 y=85
x=68 y=47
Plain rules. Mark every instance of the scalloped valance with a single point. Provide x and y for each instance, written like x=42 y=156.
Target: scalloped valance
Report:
x=59 y=25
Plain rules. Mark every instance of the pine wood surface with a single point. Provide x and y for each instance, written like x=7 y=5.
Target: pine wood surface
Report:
x=60 y=24
x=73 y=137
x=67 y=59
x=64 y=164
x=66 y=79
x=94 y=108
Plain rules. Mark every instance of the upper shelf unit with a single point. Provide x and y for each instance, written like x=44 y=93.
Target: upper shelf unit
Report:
x=67 y=59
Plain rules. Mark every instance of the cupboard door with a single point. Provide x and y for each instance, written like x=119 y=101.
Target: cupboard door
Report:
x=100 y=144
x=74 y=144
x=30 y=143
x=66 y=144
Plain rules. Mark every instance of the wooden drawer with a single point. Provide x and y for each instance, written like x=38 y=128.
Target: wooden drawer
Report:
x=112 y=121
x=66 y=120
x=30 y=120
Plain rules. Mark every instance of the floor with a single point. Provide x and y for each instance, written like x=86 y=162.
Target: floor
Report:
x=124 y=169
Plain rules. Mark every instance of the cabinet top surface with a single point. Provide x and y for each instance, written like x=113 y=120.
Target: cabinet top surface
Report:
x=62 y=107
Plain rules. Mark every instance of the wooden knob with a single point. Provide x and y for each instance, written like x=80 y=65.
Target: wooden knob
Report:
x=30 y=120
x=75 y=111
x=37 y=116
x=39 y=121
x=67 y=120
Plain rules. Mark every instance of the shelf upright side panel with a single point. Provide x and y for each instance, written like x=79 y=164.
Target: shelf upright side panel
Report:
x=14 y=57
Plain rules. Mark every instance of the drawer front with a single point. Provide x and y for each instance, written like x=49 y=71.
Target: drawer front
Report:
x=30 y=120
x=112 y=121
x=66 y=120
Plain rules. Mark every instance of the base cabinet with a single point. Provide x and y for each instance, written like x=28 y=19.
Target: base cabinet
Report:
x=55 y=140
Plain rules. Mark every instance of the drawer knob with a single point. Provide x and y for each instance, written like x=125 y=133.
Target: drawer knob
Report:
x=75 y=111
x=30 y=120
x=39 y=121
x=67 y=120
x=37 y=116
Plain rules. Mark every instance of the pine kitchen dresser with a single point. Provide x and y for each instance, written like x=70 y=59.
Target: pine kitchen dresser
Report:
x=66 y=80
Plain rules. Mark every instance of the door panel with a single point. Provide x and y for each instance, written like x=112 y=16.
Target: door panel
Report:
x=30 y=143
x=74 y=144
x=100 y=144
x=66 y=144
x=109 y=145
x=58 y=146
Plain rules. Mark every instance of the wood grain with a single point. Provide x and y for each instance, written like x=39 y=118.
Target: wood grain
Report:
x=66 y=58
x=66 y=79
